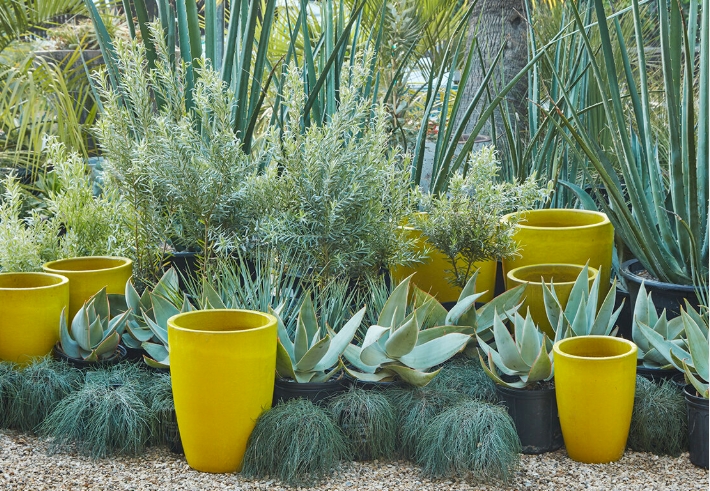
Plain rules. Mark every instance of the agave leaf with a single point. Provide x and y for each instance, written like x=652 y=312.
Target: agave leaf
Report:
x=674 y=328
x=163 y=310
x=644 y=309
x=490 y=370
x=435 y=351
x=553 y=308
x=340 y=340
x=667 y=349
x=158 y=353
x=90 y=356
x=69 y=346
x=314 y=354
x=530 y=342
x=696 y=317
x=541 y=368
x=283 y=336
x=211 y=298
x=415 y=378
x=507 y=349
x=284 y=363
x=507 y=302
x=370 y=377
x=518 y=324
x=304 y=377
x=300 y=344
x=698 y=345
x=580 y=291
x=701 y=387
x=108 y=345
x=100 y=302
x=131 y=342
x=320 y=377
x=580 y=323
x=97 y=334
x=352 y=354
x=393 y=311
x=155 y=363
x=426 y=335
x=169 y=284
x=158 y=331
x=116 y=304
x=470 y=288
x=373 y=335
x=593 y=298
x=436 y=314
x=461 y=308
x=133 y=300
x=80 y=328
x=307 y=316
x=605 y=318
x=186 y=305
x=495 y=357
x=403 y=340
x=374 y=355
x=118 y=323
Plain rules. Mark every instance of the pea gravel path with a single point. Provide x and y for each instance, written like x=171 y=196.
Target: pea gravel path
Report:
x=25 y=465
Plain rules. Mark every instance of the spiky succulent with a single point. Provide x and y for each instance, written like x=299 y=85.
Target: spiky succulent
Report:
x=93 y=335
x=147 y=324
x=314 y=353
x=398 y=347
x=580 y=317
x=645 y=313
x=526 y=355
x=693 y=361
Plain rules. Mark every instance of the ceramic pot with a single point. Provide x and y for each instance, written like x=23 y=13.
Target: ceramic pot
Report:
x=222 y=364
x=595 y=380
x=88 y=275
x=564 y=236
x=563 y=276
x=431 y=275
x=31 y=305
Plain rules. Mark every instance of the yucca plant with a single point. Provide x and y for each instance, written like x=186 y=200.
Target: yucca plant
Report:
x=664 y=221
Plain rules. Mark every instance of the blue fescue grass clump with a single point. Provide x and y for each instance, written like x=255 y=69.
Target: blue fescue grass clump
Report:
x=108 y=415
x=471 y=439
x=659 y=422
x=163 y=423
x=465 y=375
x=38 y=388
x=296 y=442
x=8 y=384
x=368 y=421
x=416 y=407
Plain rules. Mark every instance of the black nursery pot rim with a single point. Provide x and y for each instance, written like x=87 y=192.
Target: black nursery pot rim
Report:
x=694 y=400
x=530 y=392
x=118 y=356
x=629 y=269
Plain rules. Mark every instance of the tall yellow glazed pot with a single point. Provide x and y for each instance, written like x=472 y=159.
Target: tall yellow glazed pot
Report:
x=431 y=275
x=565 y=236
x=222 y=364
x=30 y=308
x=595 y=379
x=88 y=275
x=563 y=276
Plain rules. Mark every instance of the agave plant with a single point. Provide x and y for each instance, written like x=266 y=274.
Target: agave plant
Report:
x=645 y=314
x=93 y=335
x=315 y=351
x=693 y=361
x=580 y=316
x=398 y=347
x=147 y=325
x=527 y=354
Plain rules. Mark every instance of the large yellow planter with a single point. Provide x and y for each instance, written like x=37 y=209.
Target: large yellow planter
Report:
x=222 y=364
x=564 y=236
x=30 y=308
x=563 y=276
x=431 y=275
x=595 y=379
x=88 y=275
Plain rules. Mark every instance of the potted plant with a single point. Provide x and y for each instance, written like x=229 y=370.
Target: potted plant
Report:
x=693 y=362
x=309 y=364
x=464 y=223
x=525 y=382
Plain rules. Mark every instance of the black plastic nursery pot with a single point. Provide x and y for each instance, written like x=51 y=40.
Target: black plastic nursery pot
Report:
x=626 y=316
x=668 y=296
x=697 y=408
x=185 y=263
x=118 y=356
x=385 y=385
x=534 y=412
x=317 y=392
x=656 y=375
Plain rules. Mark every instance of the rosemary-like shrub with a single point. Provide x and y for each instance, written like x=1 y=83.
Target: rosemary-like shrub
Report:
x=39 y=387
x=659 y=422
x=471 y=439
x=465 y=376
x=341 y=191
x=108 y=415
x=465 y=222
x=368 y=421
x=296 y=442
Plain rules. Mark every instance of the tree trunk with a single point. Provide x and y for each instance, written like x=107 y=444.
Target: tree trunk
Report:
x=498 y=22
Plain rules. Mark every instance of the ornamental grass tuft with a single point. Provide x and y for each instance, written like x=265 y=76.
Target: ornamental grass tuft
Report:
x=39 y=387
x=472 y=439
x=107 y=416
x=465 y=375
x=659 y=422
x=8 y=384
x=416 y=408
x=296 y=442
x=368 y=421
x=163 y=423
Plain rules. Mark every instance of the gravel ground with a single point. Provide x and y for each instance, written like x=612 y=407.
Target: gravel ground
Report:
x=25 y=465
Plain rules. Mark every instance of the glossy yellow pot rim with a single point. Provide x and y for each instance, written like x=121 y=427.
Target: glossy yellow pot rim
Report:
x=603 y=219
x=513 y=273
x=174 y=321
x=56 y=266
x=62 y=280
x=632 y=348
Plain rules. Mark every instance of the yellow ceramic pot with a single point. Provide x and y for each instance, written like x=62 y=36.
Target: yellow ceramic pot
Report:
x=88 y=275
x=595 y=379
x=563 y=276
x=30 y=308
x=564 y=236
x=431 y=275
x=222 y=364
